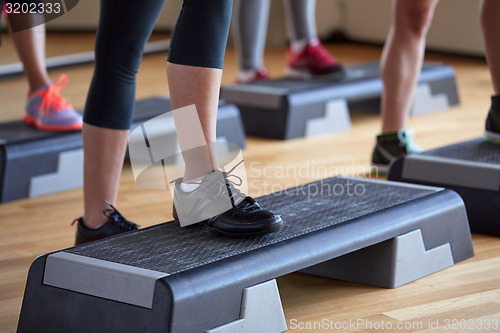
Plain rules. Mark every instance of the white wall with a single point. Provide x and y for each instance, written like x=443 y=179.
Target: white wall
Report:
x=328 y=18
x=85 y=16
x=455 y=26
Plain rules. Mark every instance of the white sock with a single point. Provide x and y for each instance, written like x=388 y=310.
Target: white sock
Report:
x=246 y=75
x=298 y=46
x=189 y=187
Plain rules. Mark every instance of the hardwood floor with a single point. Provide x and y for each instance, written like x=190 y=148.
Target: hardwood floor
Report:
x=468 y=292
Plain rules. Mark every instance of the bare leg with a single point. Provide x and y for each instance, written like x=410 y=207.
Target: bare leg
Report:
x=103 y=159
x=490 y=14
x=402 y=59
x=199 y=86
x=30 y=45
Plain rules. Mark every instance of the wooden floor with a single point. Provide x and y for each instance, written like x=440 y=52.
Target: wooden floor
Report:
x=464 y=296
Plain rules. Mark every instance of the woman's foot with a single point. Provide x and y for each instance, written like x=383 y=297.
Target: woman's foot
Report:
x=217 y=204
x=116 y=224
x=253 y=75
x=492 y=128
x=47 y=110
x=391 y=145
x=313 y=62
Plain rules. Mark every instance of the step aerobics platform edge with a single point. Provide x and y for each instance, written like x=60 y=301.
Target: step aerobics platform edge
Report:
x=196 y=279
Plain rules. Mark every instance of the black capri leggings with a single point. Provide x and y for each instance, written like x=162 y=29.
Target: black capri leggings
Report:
x=199 y=39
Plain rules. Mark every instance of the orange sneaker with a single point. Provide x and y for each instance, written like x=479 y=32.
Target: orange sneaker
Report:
x=47 y=110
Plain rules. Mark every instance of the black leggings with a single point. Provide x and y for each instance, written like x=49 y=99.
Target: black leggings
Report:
x=199 y=39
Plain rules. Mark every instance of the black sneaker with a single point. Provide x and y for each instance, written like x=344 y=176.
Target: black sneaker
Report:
x=390 y=146
x=115 y=225
x=220 y=206
x=243 y=220
x=492 y=128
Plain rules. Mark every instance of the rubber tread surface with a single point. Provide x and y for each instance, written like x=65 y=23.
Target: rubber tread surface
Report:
x=477 y=150
x=171 y=249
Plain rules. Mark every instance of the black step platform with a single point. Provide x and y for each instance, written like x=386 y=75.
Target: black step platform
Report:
x=292 y=108
x=470 y=168
x=34 y=163
x=170 y=279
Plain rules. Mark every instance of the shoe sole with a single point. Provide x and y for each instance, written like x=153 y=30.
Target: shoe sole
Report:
x=379 y=169
x=492 y=137
x=276 y=226
x=28 y=120
x=299 y=74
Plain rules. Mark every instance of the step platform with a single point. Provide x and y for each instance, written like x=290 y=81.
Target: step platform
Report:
x=170 y=279
x=293 y=108
x=471 y=168
x=34 y=163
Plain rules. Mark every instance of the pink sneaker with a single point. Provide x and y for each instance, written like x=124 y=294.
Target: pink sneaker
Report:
x=313 y=62
x=47 y=110
x=260 y=74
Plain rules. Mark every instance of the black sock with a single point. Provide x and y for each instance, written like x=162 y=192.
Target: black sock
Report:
x=495 y=104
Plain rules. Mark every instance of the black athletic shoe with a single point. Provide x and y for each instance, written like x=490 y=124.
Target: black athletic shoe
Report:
x=218 y=204
x=391 y=146
x=115 y=225
x=492 y=128
x=243 y=220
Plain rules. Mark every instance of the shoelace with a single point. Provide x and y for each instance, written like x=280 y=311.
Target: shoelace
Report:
x=116 y=218
x=406 y=140
x=229 y=174
x=320 y=54
x=227 y=188
x=247 y=203
x=230 y=184
x=51 y=97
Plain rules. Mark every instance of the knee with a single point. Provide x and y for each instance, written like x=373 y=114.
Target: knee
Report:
x=201 y=33
x=488 y=14
x=119 y=60
x=415 y=20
